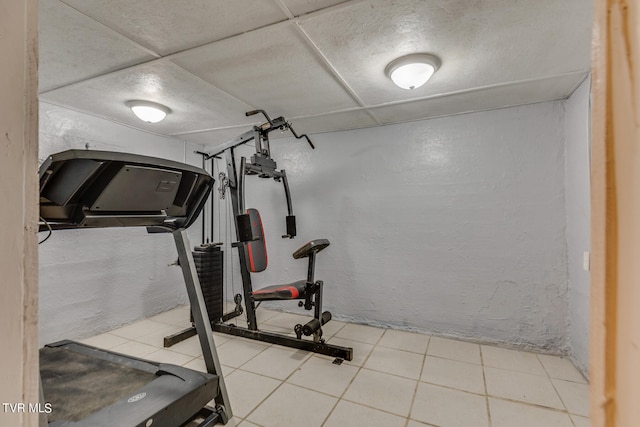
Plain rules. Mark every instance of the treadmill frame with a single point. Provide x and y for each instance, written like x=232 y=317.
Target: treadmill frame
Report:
x=174 y=220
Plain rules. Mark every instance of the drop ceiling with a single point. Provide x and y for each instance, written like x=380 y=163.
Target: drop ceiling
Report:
x=319 y=63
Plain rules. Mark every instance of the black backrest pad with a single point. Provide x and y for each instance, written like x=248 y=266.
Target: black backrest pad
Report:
x=256 y=249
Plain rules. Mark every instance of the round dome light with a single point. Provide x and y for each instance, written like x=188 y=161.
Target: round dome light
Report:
x=412 y=71
x=147 y=111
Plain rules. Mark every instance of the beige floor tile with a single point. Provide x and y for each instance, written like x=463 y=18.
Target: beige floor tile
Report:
x=247 y=424
x=235 y=422
x=510 y=414
x=286 y=320
x=451 y=373
x=561 y=368
x=320 y=374
x=138 y=329
x=403 y=340
x=414 y=423
x=246 y=391
x=449 y=408
x=378 y=390
x=276 y=362
x=511 y=360
x=360 y=333
x=168 y=356
x=220 y=338
x=361 y=350
x=354 y=415
x=522 y=387
x=395 y=362
x=198 y=364
x=290 y=405
x=581 y=421
x=156 y=338
x=190 y=346
x=237 y=352
x=263 y=314
x=574 y=395
x=176 y=317
x=332 y=328
x=105 y=341
x=454 y=350
x=134 y=348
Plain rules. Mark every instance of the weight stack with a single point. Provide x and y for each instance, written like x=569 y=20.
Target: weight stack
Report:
x=209 y=265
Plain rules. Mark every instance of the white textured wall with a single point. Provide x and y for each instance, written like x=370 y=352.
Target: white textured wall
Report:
x=578 y=208
x=94 y=280
x=453 y=226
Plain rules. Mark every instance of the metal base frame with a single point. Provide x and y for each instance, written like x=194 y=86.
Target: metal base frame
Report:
x=345 y=353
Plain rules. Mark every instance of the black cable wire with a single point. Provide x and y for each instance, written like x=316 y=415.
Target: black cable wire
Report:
x=50 y=231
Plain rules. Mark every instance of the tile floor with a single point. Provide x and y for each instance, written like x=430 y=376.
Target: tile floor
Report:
x=396 y=378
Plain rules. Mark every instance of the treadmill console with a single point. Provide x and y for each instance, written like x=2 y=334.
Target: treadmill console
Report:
x=83 y=188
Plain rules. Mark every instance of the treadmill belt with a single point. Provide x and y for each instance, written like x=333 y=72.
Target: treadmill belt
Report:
x=78 y=385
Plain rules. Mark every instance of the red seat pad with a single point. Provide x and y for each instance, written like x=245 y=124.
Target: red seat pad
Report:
x=294 y=290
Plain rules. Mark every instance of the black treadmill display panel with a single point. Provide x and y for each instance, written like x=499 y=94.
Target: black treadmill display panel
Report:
x=83 y=188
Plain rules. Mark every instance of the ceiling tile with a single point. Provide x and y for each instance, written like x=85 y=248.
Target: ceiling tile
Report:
x=195 y=104
x=353 y=119
x=480 y=43
x=301 y=7
x=318 y=70
x=73 y=47
x=211 y=138
x=272 y=68
x=482 y=99
x=167 y=26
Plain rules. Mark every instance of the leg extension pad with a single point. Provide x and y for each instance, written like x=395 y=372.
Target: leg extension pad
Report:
x=315 y=324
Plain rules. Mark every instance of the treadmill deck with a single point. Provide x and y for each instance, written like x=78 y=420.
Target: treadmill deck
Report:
x=87 y=386
x=77 y=385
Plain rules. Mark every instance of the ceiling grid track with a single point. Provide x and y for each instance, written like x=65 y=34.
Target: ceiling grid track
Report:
x=336 y=75
x=115 y=32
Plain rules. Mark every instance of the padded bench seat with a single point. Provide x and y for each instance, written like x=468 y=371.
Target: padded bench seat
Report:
x=294 y=290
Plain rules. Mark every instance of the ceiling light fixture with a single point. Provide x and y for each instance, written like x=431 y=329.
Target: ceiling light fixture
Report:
x=147 y=111
x=412 y=71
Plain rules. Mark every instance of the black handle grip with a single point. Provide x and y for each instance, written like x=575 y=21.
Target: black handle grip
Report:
x=264 y=113
x=291 y=226
x=245 y=234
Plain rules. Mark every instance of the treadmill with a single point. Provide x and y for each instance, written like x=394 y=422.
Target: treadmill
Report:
x=88 y=386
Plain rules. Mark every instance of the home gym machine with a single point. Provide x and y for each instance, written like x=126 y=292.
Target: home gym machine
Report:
x=92 y=387
x=252 y=251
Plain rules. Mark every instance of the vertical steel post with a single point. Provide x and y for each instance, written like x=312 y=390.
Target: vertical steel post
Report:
x=200 y=316
x=247 y=289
